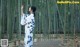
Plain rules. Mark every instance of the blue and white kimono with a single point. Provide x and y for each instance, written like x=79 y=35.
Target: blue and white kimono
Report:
x=28 y=21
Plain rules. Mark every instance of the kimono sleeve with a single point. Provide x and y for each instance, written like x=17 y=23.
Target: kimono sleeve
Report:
x=23 y=21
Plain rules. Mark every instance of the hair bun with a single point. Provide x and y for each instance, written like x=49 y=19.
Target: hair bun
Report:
x=33 y=8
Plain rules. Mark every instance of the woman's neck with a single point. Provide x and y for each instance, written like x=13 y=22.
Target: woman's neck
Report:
x=31 y=12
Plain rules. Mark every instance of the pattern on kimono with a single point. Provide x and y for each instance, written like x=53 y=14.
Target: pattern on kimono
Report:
x=30 y=39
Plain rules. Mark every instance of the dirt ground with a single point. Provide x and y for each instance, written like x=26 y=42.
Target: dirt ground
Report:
x=51 y=42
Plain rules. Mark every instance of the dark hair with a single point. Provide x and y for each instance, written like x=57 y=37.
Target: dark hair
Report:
x=33 y=8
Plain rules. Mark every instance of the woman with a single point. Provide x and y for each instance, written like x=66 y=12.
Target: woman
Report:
x=28 y=20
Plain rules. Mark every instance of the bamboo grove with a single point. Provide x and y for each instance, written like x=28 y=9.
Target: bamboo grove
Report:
x=51 y=18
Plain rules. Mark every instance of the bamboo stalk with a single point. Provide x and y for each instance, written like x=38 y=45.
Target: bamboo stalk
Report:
x=1 y=20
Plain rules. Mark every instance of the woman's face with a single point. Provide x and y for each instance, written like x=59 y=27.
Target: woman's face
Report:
x=30 y=9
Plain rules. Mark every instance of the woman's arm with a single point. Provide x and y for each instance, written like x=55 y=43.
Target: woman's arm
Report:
x=23 y=21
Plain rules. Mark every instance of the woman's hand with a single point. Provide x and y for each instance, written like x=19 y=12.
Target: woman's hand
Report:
x=22 y=10
x=22 y=7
